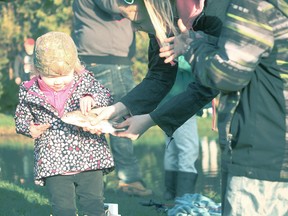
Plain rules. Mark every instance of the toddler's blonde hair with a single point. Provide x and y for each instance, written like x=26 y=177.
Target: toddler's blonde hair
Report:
x=55 y=54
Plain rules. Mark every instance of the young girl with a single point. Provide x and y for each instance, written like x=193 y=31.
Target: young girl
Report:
x=68 y=160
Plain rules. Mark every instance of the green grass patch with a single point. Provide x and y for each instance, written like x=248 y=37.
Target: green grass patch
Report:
x=29 y=195
x=17 y=201
x=6 y=120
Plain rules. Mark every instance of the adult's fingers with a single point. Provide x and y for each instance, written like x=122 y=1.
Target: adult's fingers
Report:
x=127 y=133
x=166 y=48
x=169 y=40
x=166 y=54
x=170 y=58
x=181 y=26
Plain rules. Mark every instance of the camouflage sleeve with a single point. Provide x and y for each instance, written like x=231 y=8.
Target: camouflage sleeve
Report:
x=245 y=38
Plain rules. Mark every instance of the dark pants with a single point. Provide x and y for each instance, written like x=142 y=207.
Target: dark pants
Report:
x=86 y=188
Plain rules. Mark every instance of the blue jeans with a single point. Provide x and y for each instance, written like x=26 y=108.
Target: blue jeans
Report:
x=182 y=152
x=119 y=79
x=86 y=188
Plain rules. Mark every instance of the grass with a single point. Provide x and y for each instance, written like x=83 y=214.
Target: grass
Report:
x=6 y=121
x=18 y=199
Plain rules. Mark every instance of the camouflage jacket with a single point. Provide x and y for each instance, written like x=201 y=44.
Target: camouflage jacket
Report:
x=249 y=65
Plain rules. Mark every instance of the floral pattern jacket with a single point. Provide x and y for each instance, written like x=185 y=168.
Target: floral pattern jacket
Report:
x=63 y=148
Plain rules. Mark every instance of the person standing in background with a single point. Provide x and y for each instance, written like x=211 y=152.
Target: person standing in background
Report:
x=24 y=61
x=182 y=148
x=106 y=44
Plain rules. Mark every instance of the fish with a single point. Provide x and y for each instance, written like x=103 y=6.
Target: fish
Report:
x=77 y=118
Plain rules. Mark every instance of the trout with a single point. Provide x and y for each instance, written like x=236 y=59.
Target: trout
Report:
x=78 y=119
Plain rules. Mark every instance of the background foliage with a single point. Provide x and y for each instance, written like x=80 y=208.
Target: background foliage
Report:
x=21 y=19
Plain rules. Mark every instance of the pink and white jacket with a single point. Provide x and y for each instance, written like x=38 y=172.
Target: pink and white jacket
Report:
x=63 y=148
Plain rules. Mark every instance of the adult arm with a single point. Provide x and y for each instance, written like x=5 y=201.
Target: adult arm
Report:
x=181 y=107
x=146 y=96
x=160 y=78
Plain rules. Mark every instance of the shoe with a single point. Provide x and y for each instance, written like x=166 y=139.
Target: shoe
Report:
x=134 y=189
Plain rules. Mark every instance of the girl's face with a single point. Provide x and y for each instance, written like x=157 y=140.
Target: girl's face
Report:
x=58 y=82
x=138 y=14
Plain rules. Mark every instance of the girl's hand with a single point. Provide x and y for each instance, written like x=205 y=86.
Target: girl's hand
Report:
x=178 y=44
x=86 y=104
x=37 y=129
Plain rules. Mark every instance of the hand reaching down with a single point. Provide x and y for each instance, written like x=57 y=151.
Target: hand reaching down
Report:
x=136 y=126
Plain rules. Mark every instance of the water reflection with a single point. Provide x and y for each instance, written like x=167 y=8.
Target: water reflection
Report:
x=209 y=157
x=209 y=169
x=16 y=165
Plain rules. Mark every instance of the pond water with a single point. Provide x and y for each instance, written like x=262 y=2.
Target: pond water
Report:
x=16 y=165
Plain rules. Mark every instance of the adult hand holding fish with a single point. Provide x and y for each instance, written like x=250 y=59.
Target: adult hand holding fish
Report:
x=77 y=118
x=130 y=128
x=134 y=129
x=112 y=113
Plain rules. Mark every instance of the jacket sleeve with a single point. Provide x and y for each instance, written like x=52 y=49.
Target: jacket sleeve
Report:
x=181 y=107
x=245 y=38
x=160 y=78
x=100 y=94
x=23 y=116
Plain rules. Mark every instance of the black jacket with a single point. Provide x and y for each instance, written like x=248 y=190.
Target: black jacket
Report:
x=160 y=78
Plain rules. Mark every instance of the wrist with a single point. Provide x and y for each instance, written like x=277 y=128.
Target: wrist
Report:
x=149 y=121
x=121 y=109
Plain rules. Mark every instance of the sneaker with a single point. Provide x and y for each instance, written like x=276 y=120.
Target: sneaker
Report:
x=134 y=188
